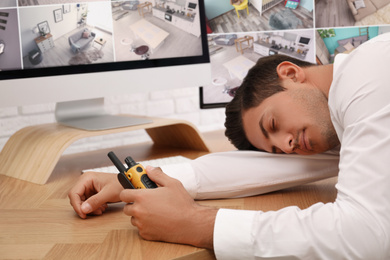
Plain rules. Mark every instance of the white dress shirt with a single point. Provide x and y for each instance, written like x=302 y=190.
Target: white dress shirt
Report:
x=357 y=224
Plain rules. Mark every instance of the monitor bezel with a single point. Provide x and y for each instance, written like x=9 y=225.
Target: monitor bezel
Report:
x=204 y=105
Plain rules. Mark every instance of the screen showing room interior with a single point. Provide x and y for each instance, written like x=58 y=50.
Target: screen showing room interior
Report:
x=233 y=54
x=71 y=51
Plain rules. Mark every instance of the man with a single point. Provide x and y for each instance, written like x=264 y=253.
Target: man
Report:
x=260 y=84
x=306 y=113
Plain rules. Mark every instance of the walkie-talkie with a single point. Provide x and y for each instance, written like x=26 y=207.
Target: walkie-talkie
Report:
x=134 y=177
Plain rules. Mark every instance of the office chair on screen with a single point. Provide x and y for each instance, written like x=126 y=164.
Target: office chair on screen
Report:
x=142 y=51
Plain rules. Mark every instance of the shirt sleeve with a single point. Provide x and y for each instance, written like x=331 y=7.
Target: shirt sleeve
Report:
x=245 y=173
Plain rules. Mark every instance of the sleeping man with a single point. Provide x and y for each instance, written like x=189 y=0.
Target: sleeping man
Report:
x=293 y=122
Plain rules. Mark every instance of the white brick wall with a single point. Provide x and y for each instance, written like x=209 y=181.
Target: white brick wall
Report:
x=178 y=103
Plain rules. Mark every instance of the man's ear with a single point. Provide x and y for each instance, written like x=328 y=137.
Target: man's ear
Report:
x=288 y=70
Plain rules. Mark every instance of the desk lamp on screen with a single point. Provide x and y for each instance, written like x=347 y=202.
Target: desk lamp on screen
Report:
x=76 y=54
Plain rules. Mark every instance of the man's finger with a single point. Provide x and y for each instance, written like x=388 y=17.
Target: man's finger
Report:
x=128 y=195
x=76 y=197
x=157 y=175
x=76 y=202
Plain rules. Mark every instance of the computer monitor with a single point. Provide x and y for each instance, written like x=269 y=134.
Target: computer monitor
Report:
x=230 y=62
x=76 y=53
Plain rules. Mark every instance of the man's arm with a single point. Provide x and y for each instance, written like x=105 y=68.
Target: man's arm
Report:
x=247 y=173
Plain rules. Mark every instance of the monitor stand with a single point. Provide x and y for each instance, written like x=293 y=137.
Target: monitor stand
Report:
x=91 y=115
x=31 y=153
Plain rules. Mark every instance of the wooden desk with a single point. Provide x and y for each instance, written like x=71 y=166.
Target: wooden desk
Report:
x=246 y=40
x=37 y=221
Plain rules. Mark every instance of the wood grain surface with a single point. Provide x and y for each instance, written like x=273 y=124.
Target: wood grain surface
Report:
x=37 y=221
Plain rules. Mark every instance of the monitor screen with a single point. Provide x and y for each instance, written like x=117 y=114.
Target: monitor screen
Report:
x=57 y=51
x=230 y=62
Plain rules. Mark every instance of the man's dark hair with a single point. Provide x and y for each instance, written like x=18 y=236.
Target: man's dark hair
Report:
x=261 y=82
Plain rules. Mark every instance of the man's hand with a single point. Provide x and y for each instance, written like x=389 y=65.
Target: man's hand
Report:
x=168 y=213
x=93 y=191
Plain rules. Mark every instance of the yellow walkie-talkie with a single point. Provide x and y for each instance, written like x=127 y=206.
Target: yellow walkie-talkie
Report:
x=134 y=177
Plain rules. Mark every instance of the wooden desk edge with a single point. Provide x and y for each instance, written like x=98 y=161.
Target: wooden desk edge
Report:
x=203 y=254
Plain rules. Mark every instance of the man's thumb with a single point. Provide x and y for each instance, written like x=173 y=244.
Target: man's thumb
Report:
x=86 y=208
x=157 y=175
x=91 y=204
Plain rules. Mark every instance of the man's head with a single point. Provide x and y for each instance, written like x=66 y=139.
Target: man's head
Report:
x=279 y=108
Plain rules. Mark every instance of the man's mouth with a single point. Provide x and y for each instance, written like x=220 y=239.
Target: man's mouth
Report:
x=304 y=142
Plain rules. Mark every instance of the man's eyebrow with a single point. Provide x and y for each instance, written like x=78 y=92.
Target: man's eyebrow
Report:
x=265 y=133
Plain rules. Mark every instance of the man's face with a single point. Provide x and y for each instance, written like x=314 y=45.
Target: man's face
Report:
x=293 y=121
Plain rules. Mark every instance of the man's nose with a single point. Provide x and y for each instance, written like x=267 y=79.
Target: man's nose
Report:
x=285 y=142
